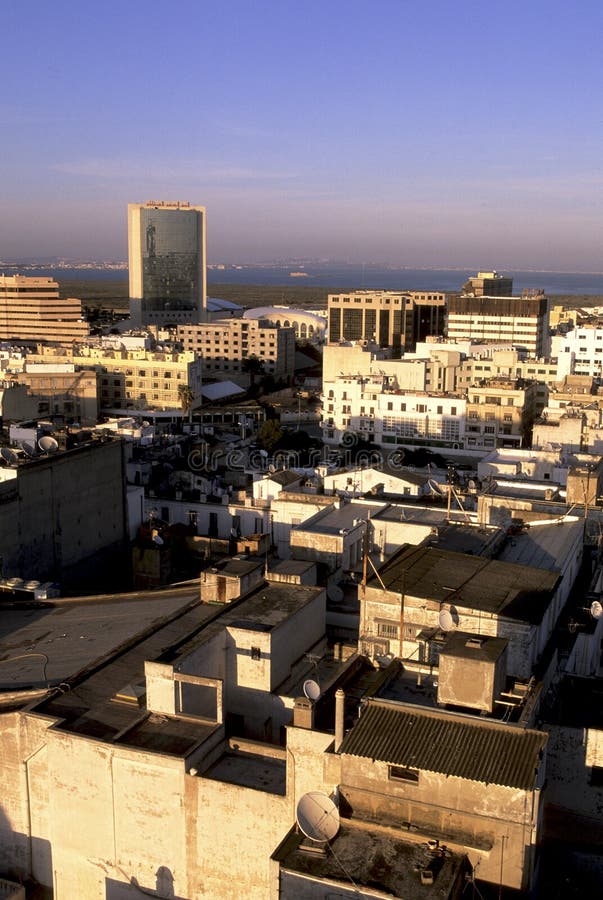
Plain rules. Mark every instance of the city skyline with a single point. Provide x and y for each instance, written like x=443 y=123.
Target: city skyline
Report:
x=408 y=137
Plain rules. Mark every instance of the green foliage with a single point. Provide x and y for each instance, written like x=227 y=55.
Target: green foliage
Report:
x=270 y=434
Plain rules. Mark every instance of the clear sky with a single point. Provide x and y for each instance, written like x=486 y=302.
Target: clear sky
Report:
x=422 y=134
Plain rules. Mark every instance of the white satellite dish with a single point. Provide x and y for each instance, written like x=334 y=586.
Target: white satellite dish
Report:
x=271 y=469
x=317 y=817
x=29 y=448
x=9 y=456
x=445 y=619
x=311 y=689
x=596 y=609
x=47 y=444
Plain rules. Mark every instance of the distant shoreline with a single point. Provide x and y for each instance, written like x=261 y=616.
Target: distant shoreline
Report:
x=113 y=294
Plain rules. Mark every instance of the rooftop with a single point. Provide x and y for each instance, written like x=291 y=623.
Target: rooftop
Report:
x=334 y=521
x=264 y=610
x=546 y=545
x=447 y=743
x=499 y=588
x=48 y=643
x=370 y=858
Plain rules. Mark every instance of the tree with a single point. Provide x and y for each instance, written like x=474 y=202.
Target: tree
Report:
x=270 y=434
x=253 y=366
x=186 y=397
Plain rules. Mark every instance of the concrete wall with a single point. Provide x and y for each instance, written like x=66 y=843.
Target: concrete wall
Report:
x=571 y=754
x=377 y=605
x=494 y=826
x=69 y=519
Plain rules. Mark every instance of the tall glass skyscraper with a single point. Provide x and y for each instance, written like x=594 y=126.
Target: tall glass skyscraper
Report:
x=166 y=250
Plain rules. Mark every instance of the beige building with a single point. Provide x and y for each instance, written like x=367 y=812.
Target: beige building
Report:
x=500 y=413
x=62 y=391
x=487 y=597
x=488 y=284
x=31 y=310
x=224 y=348
x=520 y=321
x=396 y=319
x=183 y=756
x=510 y=364
x=133 y=379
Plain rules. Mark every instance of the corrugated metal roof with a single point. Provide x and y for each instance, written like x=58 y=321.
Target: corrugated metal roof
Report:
x=220 y=389
x=442 y=742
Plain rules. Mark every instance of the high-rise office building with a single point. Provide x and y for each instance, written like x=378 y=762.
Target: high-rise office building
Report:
x=166 y=251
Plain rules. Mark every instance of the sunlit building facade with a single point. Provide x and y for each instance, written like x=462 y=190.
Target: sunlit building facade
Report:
x=167 y=263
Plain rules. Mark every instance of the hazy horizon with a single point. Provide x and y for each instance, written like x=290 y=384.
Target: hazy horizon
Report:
x=402 y=136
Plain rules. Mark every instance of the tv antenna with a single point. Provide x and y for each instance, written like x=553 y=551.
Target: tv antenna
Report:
x=48 y=444
x=9 y=456
x=595 y=609
x=317 y=817
x=311 y=689
x=29 y=449
x=445 y=620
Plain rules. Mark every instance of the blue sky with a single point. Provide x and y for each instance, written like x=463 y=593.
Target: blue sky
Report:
x=436 y=134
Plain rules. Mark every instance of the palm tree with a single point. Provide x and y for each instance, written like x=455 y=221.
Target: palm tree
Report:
x=186 y=397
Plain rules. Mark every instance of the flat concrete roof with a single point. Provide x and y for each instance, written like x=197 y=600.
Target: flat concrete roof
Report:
x=335 y=520
x=371 y=858
x=259 y=772
x=263 y=610
x=291 y=567
x=545 y=546
x=235 y=568
x=483 y=648
x=47 y=643
x=470 y=582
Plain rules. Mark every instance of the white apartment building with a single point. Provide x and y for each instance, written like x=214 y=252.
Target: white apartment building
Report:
x=224 y=347
x=375 y=408
x=580 y=351
x=31 y=310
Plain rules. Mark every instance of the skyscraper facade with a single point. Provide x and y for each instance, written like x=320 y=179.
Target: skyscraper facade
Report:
x=167 y=263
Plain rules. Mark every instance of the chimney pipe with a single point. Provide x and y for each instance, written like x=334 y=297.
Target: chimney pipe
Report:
x=339 y=709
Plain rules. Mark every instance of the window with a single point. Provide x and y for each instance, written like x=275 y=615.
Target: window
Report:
x=402 y=773
x=256 y=653
x=387 y=629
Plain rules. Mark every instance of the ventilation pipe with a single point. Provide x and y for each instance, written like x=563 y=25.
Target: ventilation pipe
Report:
x=339 y=709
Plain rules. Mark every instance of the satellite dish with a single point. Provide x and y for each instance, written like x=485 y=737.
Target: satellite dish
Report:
x=596 y=609
x=9 y=456
x=29 y=448
x=445 y=619
x=47 y=444
x=317 y=817
x=271 y=469
x=311 y=689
